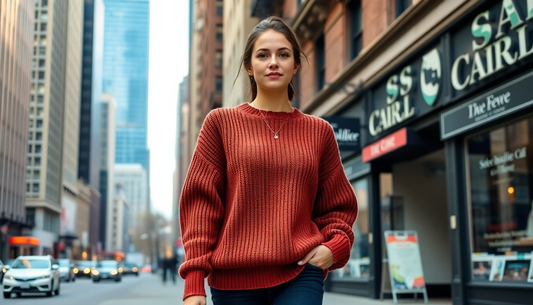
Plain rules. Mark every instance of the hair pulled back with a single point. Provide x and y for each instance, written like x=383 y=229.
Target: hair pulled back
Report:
x=279 y=25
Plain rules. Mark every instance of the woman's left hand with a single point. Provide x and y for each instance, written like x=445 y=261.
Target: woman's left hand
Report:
x=320 y=256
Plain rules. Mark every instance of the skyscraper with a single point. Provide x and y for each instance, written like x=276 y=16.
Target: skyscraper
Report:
x=15 y=80
x=91 y=91
x=125 y=76
x=44 y=181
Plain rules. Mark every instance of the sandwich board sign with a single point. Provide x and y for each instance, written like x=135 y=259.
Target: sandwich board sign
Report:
x=405 y=264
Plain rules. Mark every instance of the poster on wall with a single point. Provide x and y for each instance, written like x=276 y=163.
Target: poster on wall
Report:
x=68 y=217
x=405 y=263
x=481 y=266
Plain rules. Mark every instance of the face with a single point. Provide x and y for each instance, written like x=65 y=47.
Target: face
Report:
x=273 y=64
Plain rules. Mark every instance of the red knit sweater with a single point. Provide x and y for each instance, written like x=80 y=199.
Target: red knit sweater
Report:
x=252 y=206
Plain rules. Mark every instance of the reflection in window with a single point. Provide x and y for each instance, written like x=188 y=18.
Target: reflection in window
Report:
x=499 y=170
x=359 y=264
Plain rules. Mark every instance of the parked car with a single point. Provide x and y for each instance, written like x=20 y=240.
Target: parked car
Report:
x=66 y=269
x=84 y=268
x=130 y=268
x=107 y=270
x=32 y=274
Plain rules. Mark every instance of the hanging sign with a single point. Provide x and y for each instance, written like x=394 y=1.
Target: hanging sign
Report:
x=405 y=263
x=347 y=132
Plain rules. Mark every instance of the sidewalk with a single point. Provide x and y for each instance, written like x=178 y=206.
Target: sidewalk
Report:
x=152 y=291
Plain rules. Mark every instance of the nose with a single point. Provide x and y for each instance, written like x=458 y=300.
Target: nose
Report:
x=273 y=63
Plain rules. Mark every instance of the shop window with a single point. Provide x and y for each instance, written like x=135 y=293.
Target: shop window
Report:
x=500 y=169
x=359 y=264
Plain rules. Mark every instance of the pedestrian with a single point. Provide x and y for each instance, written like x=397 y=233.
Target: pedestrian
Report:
x=169 y=266
x=266 y=210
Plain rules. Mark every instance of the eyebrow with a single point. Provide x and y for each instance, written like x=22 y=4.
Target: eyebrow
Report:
x=265 y=49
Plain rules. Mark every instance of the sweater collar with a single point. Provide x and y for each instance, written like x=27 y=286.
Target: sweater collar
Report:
x=247 y=109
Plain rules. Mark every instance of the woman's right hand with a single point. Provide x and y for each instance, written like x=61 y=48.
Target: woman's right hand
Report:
x=195 y=300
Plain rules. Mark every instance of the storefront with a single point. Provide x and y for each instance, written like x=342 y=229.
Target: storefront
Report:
x=22 y=245
x=448 y=136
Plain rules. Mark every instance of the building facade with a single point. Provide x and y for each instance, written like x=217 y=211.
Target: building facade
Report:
x=107 y=163
x=238 y=22
x=16 y=48
x=125 y=75
x=118 y=236
x=91 y=91
x=44 y=177
x=132 y=178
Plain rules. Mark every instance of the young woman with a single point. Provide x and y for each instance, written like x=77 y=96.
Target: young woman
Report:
x=266 y=210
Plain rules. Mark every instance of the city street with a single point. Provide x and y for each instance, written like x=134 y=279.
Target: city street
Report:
x=148 y=289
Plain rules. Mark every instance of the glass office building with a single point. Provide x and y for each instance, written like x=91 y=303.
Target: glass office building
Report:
x=125 y=75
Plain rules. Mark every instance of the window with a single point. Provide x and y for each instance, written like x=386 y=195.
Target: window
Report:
x=218 y=58
x=320 y=62
x=43 y=27
x=220 y=7
x=401 y=6
x=218 y=83
x=356 y=27
x=500 y=170
x=359 y=264
x=37 y=149
x=37 y=162
x=41 y=75
x=219 y=33
x=36 y=188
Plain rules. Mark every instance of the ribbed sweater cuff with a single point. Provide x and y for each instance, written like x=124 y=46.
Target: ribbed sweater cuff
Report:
x=194 y=283
x=340 y=247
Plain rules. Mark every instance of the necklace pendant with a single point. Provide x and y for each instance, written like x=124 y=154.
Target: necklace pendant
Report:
x=275 y=136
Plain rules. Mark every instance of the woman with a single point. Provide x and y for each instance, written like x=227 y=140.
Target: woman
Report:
x=266 y=209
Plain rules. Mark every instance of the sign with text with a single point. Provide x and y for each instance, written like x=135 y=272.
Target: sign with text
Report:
x=385 y=145
x=490 y=42
x=347 y=132
x=405 y=263
x=506 y=99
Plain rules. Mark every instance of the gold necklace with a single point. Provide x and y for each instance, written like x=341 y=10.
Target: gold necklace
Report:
x=268 y=125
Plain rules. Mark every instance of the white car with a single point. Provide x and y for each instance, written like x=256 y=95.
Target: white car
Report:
x=32 y=274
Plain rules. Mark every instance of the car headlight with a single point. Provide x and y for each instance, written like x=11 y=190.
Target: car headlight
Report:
x=10 y=277
x=46 y=276
x=4 y=270
x=86 y=270
x=114 y=272
x=134 y=269
x=120 y=270
x=75 y=270
x=95 y=272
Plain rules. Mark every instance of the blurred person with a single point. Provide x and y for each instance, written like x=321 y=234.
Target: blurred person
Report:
x=266 y=210
x=169 y=265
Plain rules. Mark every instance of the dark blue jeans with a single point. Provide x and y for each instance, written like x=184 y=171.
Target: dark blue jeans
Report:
x=305 y=289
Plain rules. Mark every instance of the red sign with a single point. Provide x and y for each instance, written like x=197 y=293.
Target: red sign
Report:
x=385 y=145
x=23 y=241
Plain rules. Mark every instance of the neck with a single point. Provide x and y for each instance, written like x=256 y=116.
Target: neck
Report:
x=272 y=101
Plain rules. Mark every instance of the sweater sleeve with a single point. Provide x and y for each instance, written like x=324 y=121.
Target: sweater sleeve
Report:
x=201 y=206
x=335 y=207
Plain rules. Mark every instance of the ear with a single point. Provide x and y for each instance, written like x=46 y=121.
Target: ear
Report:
x=249 y=70
x=296 y=67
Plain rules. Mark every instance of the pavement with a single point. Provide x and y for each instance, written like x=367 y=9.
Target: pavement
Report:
x=169 y=293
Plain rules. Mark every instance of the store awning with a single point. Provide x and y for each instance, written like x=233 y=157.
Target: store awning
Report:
x=23 y=241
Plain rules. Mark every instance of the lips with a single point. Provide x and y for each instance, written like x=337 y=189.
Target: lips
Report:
x=274 y=74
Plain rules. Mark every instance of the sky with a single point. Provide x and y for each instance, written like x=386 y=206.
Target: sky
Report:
x=169 y=63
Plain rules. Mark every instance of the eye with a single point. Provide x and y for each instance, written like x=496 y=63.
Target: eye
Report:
x=284 y=54
x=262 y=55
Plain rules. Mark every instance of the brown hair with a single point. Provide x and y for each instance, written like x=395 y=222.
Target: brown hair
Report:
x=279 y=25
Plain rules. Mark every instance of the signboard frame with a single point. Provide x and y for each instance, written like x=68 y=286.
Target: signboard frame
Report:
x=404 y=235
